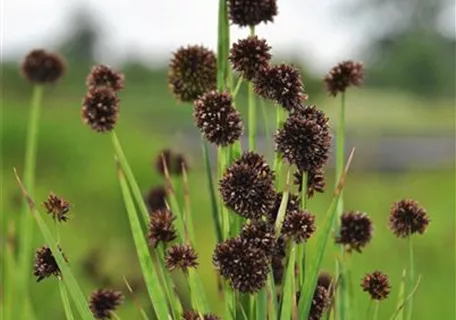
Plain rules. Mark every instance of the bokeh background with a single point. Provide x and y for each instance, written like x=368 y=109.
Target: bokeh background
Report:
x=402 y=123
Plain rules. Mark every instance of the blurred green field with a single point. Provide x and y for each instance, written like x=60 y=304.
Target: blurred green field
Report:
x=79 y=165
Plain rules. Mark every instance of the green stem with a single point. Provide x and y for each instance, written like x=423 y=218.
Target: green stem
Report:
x=341 y=304
x=26 y=232
x=304 y=190
x=411 y=280
x=252 y=108
x=65 y=301
x=237 y=88
x=376 y=307
x=369 y=308
x=225 y=218
x=280 y=115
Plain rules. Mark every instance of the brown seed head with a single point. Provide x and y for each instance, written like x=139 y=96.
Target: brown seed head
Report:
x=161 y=227
x=103 y=302
x=320 y=302
x=244 y=266
x=45 y=264
x=103 y=76
x=249 y=55
x=217 y=118
x=292 y=204
x=194 y=315
x=315 y=181
x=57 y=207
x=408 y=217
x=181 y=257
x=281 y=84
x=251 y=12
x=344 y=75
x=299 y=225
x=42 y=67
x=260 y=234
x=175 y=162
x=192 y=72
x=100 y=109
x=303 y=142
x=247 y=186
x=377 y=285
x=355 y=231
x=156 y=199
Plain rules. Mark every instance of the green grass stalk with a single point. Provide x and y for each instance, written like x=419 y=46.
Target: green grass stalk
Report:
x=252 y=108
x=65 y=302
x=411 y=280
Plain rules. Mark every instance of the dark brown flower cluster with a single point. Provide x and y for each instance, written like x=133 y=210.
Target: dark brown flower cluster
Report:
x=100 y=109
x=251 y=12
x=161 y=227
x=298 y=225
x=260 y=234
x=247 y=186
x=42 y=67
x=156 y=199
x=246 y=267
x=408 y=217
x=217 y=118
x=103 y=302
x=57 y=207
x=100 y=106
x=192 y=72
x=175 y=162
x=45 y=264
x=355 y=230
x=305 y=141
x=194 y=315
x=377 y=285
x=282 y=84
x=315 y=181
x=103 y=76
x=250 y=55
x=277 y=262
x=344 y=75
x=181 y=257
x=320 y=303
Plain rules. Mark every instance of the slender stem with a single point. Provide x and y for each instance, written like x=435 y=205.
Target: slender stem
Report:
x=304 y=190
x=280 y=115
x=411 y=280
x=237 y=88
x=376 y=307
x=369 y=309
x=65 y=301
x=26 y=232
x=340 y=154
x=225 y=218
x=252 y=108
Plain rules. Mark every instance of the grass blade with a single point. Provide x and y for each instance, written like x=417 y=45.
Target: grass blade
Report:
x=261 y=304
x=288 y=289
x=400 y=308
x=135 y=300
x=273 y=306
x=148 y=269
x=68 y=278
x=8 y=293
x=310 y=282
x=65 y=301
x=401 y=296
x=223 y=46
x=197 y=291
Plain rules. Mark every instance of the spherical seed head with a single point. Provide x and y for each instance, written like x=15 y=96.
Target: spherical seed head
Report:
x=355 y=231
x=244 y=266
x=175 y=162
x=217 y=118
x=181 y=257
x=408 y=217
x=103 y=302
x=320 y=302
x=282 y=84
x=292 y=204
x=303 y=142
x=247 y=186
x=45 y=264
x=311 y=112
x=156 y=199
x=344 y=75
x=249 y=55
x=194 y=315
x=299 y=225
x=260 y=234
x=192 y=72
x=57 y=207
x=42 y=67
x=100 y=109
x=103 y=76
x=377 y=285
x=315 y=181
x=161 y=227
x=251 y=12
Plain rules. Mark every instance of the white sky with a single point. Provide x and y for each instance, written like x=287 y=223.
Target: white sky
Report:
x=151 y=29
